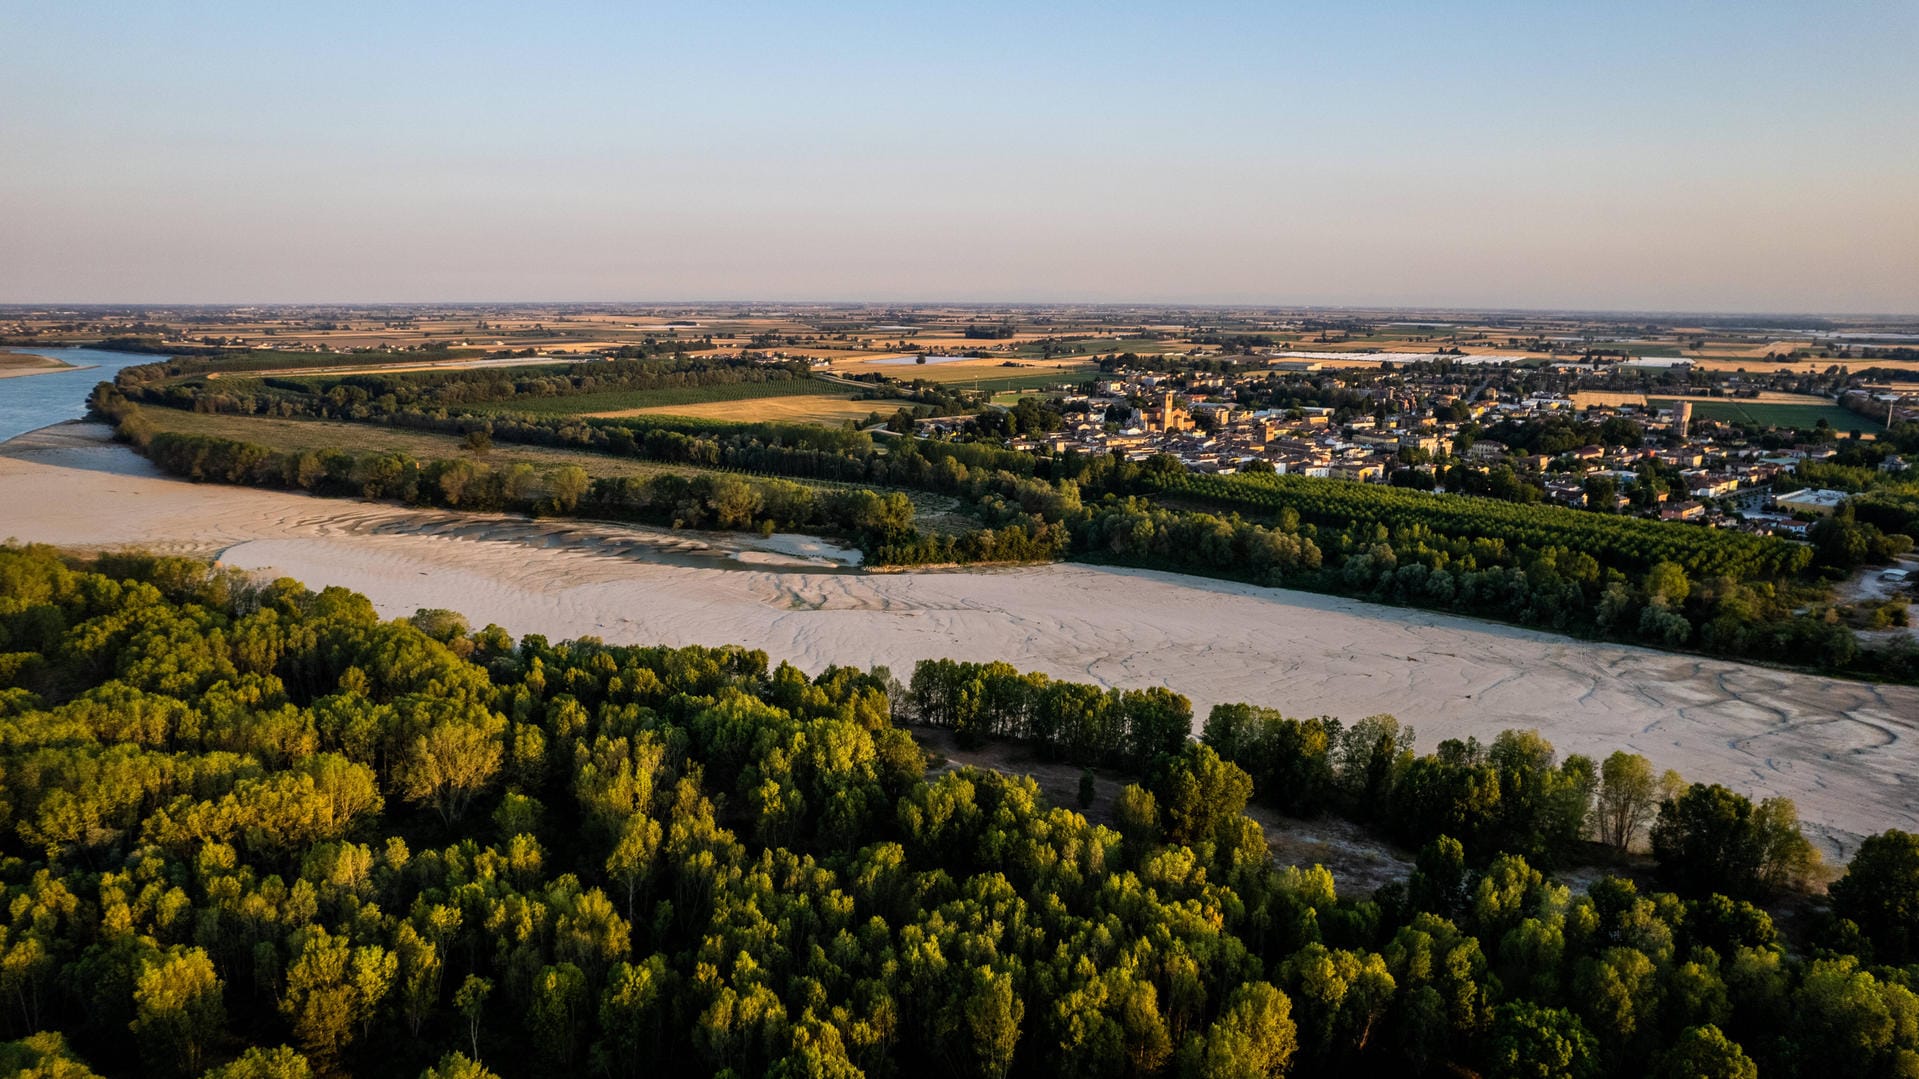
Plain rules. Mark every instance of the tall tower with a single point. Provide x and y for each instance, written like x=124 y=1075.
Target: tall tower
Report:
x=1682 y=417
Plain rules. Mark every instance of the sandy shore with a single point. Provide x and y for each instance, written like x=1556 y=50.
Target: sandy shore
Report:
x=21 y=364
x=1844 y=751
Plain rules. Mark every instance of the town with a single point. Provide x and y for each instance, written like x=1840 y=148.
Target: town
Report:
x=1629 y=436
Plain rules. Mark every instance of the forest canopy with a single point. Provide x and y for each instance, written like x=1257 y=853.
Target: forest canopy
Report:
x=248 y=829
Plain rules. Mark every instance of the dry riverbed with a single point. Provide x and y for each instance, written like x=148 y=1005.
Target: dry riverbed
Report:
x=1844 y=751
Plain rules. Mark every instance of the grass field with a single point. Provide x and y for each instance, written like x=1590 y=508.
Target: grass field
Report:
x=934 y=513
x=1097 y=345
x=1013 y=397
x=300 y=436
x=1032 y=380
x=631 y=401
x=1777 y=414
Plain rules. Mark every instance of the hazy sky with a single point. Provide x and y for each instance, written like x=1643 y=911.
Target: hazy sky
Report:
x=1738 y=156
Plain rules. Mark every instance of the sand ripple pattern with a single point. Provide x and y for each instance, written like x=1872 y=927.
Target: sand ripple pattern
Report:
x=1843 y=751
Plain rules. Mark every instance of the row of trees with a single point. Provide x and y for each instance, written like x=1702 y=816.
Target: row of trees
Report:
x=1628 y=544
x=253 y=830
x=1513 y=795
x=355 y=396
x=1068 y=720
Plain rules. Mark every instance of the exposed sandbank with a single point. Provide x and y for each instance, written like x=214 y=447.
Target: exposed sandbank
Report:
x=21 y=364
x=1843 y=751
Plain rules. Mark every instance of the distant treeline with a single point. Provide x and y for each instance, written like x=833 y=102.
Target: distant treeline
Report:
x=363 y=395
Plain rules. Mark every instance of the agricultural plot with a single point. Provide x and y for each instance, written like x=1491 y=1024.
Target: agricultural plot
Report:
x=1024 y=386
x=1502 y=528
x=318 y=436
x=936 y=514
x=1778 y=414
x=1094 y=346
x=988 y=372
x=634 y=402
x=788 y=408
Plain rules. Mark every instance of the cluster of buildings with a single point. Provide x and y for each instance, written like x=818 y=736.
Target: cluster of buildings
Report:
x=1886 y=404
x=1199 y=419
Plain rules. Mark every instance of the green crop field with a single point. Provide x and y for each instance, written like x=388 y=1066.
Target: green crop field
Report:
x=939 y=514
x=1034 y=380
x=1778 y=414
x=303 y=435
x=624 y=400
x=1092 y=345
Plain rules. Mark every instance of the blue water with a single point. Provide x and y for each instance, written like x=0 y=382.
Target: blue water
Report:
x=31 y=401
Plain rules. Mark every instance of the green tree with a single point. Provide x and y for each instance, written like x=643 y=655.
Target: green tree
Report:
x=451 y=763
x=457 y=1066
x=1530 y=1042
x=1703 y=1052
x=44 y=1055
x=1202 y=792
x=564 y=486
x=280 y=1062
x=333 y=991
x=634 y=855
x=178 y=1010
x=1880 y=892
x=633 y=1012
x=1849 y=1020
x=1709 y=839
x=1627 y=801
x=470 y=1002
x=558 y=1012
x=420 y=968
x=1253 y=1038
x=993 y=1014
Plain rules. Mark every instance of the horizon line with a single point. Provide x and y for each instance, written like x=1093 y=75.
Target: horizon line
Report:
x=1209 y=305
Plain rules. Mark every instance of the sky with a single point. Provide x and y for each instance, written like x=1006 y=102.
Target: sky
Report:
x=1755 y=156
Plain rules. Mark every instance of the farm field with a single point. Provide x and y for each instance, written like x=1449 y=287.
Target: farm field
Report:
x=301 y=436
x=1098 y=345
x=988 y=372
x=1030 y=381
x=935 y=513
x=1776 y=413
x=631 y=402
x=789 y=408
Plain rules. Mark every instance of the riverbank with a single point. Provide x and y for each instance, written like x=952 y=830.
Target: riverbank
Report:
x=1844 y=751
x=18 y=364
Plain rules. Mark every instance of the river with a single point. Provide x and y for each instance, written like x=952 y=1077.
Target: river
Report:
x=32 y=401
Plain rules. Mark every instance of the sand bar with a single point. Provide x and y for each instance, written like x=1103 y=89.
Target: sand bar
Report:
x=20 y=364
x=1843 y=751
